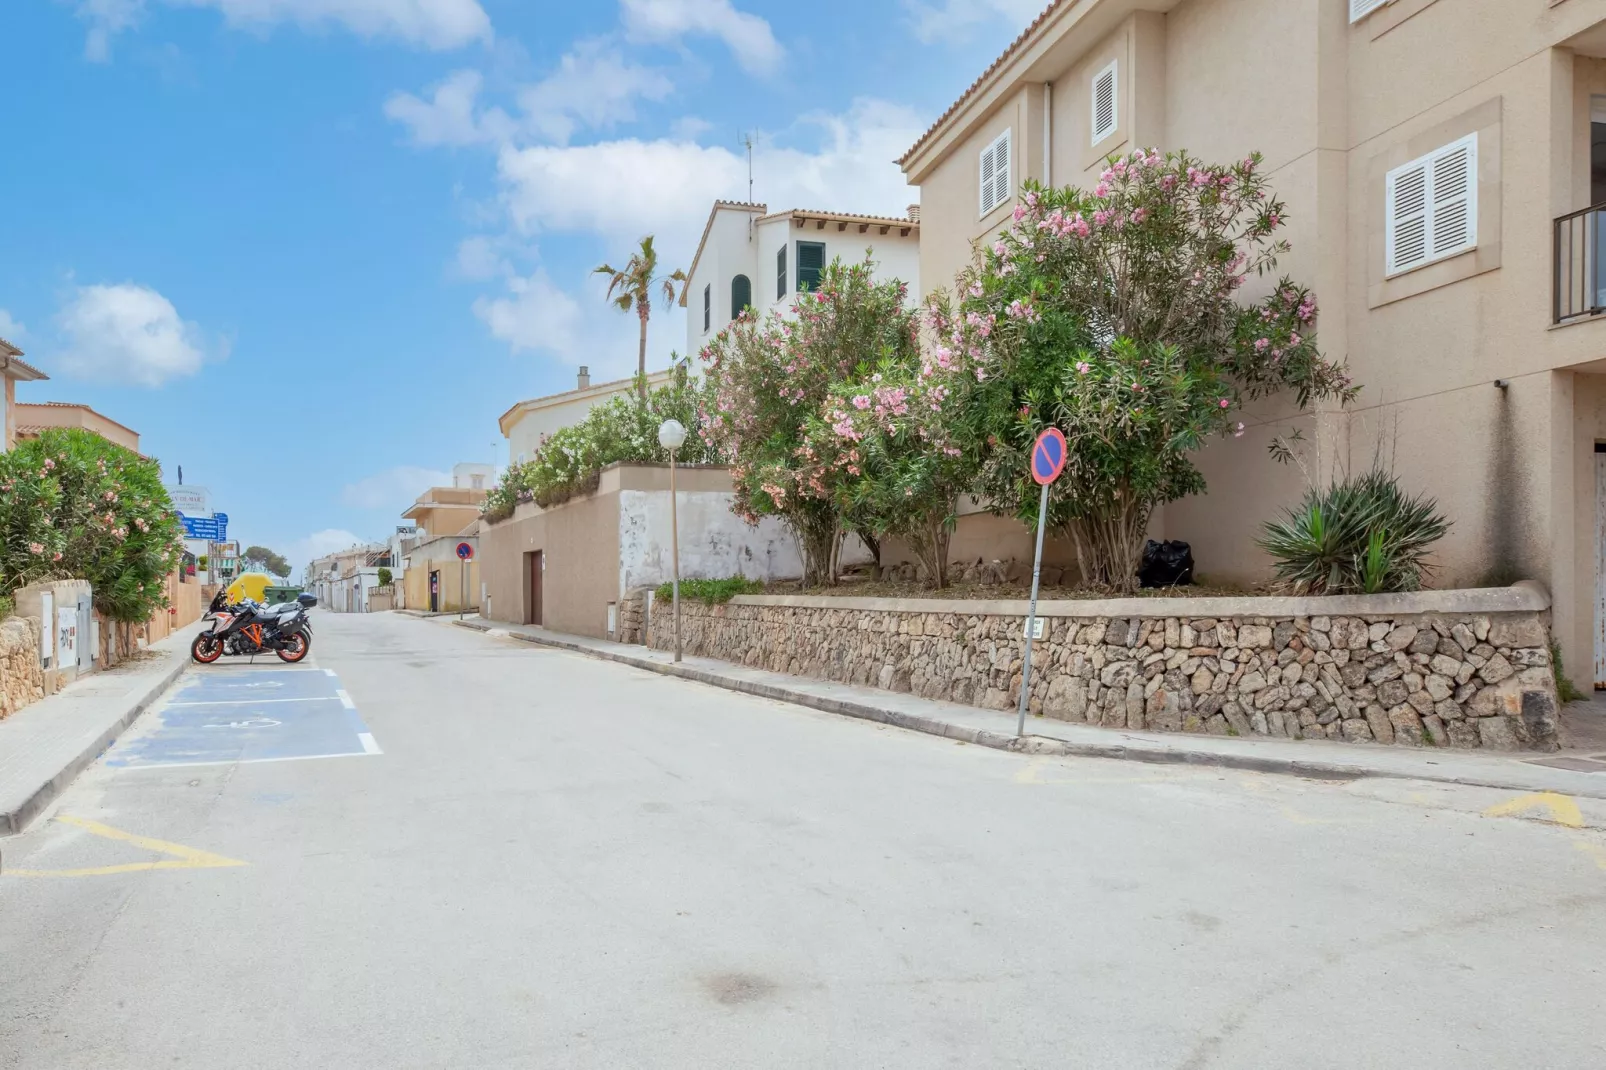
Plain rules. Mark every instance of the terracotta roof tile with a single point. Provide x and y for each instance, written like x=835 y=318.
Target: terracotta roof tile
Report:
x=885 y=220
x=1014 y=46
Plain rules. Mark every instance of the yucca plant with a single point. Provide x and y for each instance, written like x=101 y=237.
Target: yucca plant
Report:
x=1363 y=534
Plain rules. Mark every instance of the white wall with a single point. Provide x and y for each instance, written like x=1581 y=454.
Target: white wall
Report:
x=714 y=543
x=730 y=252
x=530 y=427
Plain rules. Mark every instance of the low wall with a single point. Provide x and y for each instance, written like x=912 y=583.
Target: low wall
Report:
x=1443 y=668
x=21 y=676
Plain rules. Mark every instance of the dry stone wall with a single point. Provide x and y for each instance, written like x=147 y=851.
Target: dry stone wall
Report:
x=1455 y=678
x=21 y=677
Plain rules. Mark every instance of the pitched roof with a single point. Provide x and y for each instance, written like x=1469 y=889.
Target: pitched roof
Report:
x=740 y=206
x=992 y=68
x=23 y=406
x=615 y=386
x=845 y=217
x=14 y=368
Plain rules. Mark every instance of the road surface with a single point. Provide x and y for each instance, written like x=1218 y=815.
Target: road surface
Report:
x=434 y=848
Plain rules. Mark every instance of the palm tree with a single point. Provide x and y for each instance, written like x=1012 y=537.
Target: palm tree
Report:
x=632 y=288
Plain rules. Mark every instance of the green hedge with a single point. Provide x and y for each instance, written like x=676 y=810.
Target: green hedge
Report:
x=710 y=592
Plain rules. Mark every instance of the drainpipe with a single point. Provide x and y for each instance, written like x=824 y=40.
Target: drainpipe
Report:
x=1048 y=134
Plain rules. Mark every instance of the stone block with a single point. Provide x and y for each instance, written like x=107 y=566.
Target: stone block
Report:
x=1436 y=731
x=1463 y=734
x=1391 y=693
x=1463 y=635
x=1514 y=632
x=1531 y=658
x=1356 y=730
x=1066 y=699
x=1382 y=727
x=1426 y=642
x=1254 y=636
x=1498 y=733
x=1496 y=669
x=1439 y=687
x=1407 y=726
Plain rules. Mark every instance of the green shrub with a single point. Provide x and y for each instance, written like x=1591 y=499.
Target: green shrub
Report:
x=621 y=430
x=1566 y=690
x=710 y=592
x=1362 y=535
x=384 y=577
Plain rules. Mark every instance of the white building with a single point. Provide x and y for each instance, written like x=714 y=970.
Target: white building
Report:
x=750 y=256
x=471 y=475
x=530 y=423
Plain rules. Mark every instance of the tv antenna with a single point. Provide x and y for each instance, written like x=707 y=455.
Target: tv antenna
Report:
x=745 y=140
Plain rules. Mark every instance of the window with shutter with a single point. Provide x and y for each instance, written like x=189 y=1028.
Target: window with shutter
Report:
x=708 y=306
x=1104 y=113
x=741 y=295
x=996 y=187
x=1432 y=207
x=1359 y=9
x=780 y=273
x=810 y=262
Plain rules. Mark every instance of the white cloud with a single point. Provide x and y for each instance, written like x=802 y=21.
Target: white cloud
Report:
x=534 y=315
x=10 y=328
x=328 y=541
x=106 y=19
x=449 y=116
x=953 y=20
x=129 y=334
x=436 y=24
x=395 y=488
x=480 y=257
x=747 y=36
x=599 y=187
x=593 y=86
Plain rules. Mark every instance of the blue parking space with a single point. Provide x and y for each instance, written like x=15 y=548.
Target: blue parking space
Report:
x=254 y=715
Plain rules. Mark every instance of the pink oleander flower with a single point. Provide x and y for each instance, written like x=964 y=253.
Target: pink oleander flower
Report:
x=49 y=464
x=1083 y=367
x=36 y=547
x=1239 y=432
x=1224 y=403
x=1139 y=214
x=1262 y=344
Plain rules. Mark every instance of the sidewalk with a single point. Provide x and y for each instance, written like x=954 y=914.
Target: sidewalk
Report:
x=44 y=746
x=991 y=728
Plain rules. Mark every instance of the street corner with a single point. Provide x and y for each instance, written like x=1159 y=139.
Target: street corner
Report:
x=245 y=715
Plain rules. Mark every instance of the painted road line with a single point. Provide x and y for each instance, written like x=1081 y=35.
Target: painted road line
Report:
x=368 y=744
x=329 y=672
x=345 y=699
x=252 y=701
x=246 y=761
x=179 y=856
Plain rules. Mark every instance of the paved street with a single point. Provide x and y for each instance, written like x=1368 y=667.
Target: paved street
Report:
x=433 y=848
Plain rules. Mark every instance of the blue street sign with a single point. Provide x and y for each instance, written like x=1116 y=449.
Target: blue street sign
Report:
x=1048 y=456
x=214 y=528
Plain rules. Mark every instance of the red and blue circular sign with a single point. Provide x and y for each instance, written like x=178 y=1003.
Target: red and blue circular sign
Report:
x=1048 y=456
x=465 y=552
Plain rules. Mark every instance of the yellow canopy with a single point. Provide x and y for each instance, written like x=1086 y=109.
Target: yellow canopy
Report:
x=252 y=585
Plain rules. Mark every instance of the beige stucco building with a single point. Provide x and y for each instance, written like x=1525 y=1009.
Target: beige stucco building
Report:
x=34 y=417
x=1432 y=154
x=14 y=370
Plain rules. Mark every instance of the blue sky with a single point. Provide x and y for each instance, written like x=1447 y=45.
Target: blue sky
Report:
x=311 y=249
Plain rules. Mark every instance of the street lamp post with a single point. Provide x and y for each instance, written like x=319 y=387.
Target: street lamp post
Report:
x=671 y=435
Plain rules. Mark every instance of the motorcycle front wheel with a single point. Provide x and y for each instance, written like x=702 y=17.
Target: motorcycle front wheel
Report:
x=295 y=648
x=206 y=648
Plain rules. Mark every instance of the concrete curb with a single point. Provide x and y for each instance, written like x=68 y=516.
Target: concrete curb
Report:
x=18 y=819
x=1315 y=767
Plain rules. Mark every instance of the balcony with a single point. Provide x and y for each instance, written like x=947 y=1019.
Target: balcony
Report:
x=1578 y=287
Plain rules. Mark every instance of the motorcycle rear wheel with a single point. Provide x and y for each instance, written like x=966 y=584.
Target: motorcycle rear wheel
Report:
x=206 y=648
x=295 y=648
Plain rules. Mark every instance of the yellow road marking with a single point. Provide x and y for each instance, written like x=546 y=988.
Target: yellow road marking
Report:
x=1593 y=850
x=181 y=857
x=1563 y=810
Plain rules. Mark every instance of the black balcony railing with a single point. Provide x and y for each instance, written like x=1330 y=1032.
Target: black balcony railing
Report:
x=1577 y=282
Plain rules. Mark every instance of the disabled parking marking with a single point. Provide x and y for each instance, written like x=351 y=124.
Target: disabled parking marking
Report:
x=180 y=857
x=310 y=716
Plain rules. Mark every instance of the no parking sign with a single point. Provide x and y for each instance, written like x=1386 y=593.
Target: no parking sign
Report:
x=1048 y=461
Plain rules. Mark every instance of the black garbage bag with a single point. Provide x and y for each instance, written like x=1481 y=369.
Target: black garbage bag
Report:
x=1166 y=564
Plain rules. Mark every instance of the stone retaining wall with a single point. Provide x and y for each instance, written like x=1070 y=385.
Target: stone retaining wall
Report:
x=1453 y=668
x=21 y=677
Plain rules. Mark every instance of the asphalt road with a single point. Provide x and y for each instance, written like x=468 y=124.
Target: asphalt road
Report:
x=538 y=860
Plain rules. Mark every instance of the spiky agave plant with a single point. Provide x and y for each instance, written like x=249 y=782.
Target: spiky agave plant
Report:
x=1363 y=534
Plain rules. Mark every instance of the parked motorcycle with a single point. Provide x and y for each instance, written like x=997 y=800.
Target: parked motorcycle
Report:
x=247 y=628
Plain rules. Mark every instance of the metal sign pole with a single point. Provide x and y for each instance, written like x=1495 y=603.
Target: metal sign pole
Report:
x=1031 y=613
x=674 y=544
x=462 y=592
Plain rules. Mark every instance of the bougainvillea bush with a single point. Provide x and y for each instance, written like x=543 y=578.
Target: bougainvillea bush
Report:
x=621 y=430
x=75 y=506
x=1118 y=315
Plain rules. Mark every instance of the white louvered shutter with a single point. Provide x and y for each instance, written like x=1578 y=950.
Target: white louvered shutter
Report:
x=1432 y=206
x=1002 y=187
x=1359 y=9
x=1104 y=115
x=987 y=168
x=1453 y=184
x=995 y=184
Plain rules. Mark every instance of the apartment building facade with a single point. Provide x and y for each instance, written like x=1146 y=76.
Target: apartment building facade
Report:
x=1441 y=160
